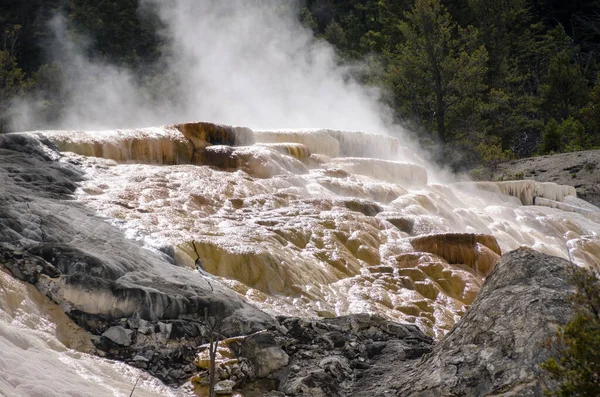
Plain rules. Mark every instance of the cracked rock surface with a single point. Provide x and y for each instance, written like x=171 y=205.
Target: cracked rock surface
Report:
x=497 y=347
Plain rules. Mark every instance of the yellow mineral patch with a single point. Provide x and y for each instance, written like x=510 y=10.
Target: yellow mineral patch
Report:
x=147 y=146
x=203 y=134
x=24 y=305
x=478 y=251
x=296 y=150
x=268 y=270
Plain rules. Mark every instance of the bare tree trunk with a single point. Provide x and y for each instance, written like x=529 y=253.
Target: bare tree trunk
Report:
x=213 y=339
x=211 y=373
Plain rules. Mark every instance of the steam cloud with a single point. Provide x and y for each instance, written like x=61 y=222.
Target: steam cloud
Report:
x=238 y=62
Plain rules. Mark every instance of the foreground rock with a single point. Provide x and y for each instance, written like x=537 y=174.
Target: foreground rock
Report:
x=314 y=357
x=141 y=308
x=496 y=348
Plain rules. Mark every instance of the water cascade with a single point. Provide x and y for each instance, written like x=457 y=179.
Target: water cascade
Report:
x=305 y=222
x=320 y=221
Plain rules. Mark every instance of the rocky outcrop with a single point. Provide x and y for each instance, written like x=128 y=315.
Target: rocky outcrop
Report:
x=137 y=305
x=578 y=169
x=495 y=349
x=314 y=357
x=329 y=357
x=140 y=307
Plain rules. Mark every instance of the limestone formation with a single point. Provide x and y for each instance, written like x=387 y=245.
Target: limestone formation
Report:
x=136 y=303
x=526 y=190
x=136 y=244
x=495 y=349
x=403 y=174
x=478 y=251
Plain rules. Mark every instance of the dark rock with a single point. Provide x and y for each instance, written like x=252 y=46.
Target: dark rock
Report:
x=119 y=335
x=106 y=283
x=335 y=339
x=327 y=356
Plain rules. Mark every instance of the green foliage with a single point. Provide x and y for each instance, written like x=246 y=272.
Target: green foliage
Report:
x=437 y=73
x=335 y=34
x=489 y=79
x=12 y=83
x=568 y=136
x=121 y=31
x=308 y=20
x=565 y=88
x=590 y=114
x=551 y=141
x=577 y=344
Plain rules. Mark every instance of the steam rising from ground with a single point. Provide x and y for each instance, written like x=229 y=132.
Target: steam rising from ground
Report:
x=238 y=62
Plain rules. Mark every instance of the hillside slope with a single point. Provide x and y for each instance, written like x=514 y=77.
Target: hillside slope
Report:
x=578 y=169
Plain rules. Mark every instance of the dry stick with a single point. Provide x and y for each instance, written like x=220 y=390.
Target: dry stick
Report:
x=214 y=338
x=201 y=267
x=134 y=385
x=211 y=356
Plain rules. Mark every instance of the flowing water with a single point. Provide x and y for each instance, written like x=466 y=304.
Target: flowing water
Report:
x=304 y=222
x=320 y=222
x=44 y=354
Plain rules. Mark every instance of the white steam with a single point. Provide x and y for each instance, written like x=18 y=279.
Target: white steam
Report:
x=240 y=62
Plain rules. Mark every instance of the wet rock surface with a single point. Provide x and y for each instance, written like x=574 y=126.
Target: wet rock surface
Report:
x=496 y=348
x=141 y=308
x=137 y=305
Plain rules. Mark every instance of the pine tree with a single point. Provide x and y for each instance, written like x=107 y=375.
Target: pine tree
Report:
x=577 y=344
x=438 y=70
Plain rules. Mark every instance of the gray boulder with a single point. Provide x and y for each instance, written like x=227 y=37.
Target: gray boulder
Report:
x=119 y=335
x=497 y=347
x=264 y=352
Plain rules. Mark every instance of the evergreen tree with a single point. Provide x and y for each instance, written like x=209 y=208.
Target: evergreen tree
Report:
x=565 y=87
x=590 y=114
x=335 y=35
x=577 y=344
x=438 y=71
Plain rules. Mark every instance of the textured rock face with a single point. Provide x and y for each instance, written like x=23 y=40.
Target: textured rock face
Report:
x=329 y=357
x=496 y=348
x=140 y=307
x=264 y=354
x=578 y=169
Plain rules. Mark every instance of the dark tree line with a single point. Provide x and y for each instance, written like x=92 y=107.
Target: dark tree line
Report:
x=484 y=80
x=114 y=31
x=488 y=79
